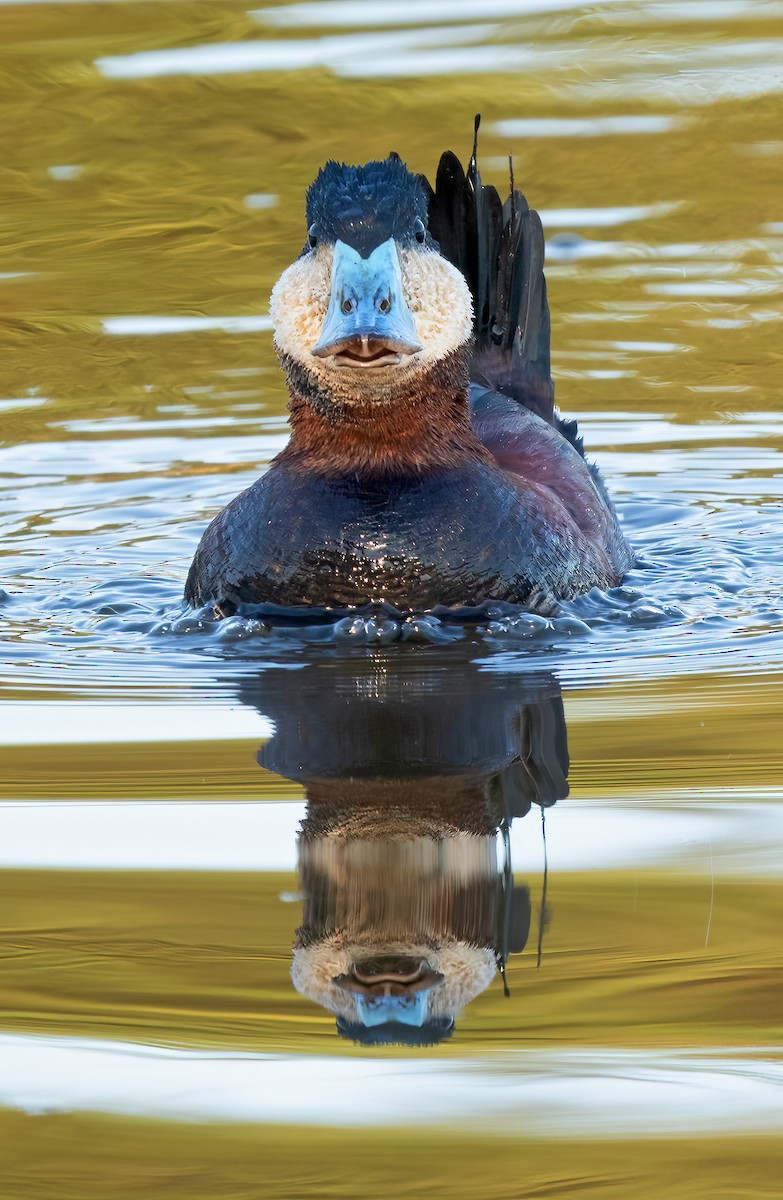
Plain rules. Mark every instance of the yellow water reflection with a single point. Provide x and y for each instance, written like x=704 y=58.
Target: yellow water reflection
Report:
x=705 y=732
x=645 y=959
x=81 y=1157
x=153 y=217
x=649 y=136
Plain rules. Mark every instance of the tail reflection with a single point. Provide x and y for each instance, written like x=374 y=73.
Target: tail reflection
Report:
x=411 y=767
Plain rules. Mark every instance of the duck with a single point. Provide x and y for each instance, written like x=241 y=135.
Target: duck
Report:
x=409 y=912
x=427 y=465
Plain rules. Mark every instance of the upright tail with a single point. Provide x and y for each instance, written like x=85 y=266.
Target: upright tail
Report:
x=499 y=248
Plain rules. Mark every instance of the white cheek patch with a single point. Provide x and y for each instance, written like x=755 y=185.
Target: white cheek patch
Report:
x=439 y=298
x=299 y=302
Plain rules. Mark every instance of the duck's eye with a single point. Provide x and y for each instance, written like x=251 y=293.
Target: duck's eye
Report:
x=312 y=240
x=419 y=232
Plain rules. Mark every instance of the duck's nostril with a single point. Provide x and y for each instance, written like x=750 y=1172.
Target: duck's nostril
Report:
x=384 y=305
x=348 y=305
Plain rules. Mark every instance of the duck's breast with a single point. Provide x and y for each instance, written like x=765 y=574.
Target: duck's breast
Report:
x=455 y=536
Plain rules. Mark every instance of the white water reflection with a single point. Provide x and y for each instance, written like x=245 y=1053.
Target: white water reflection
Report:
x=730 y=834
x=79 y=722
x=756 y=70
x=24 y=402
x=127 y=455
x=260 y=200
x=686 y=71
x=548 y=127
x=611 y=215
x=350 y=54
x=569 y=247
x=718 y=287
x=353 y=13
x=147 y=326
x=699 y=10
x=606 y=1093
x=65 y=172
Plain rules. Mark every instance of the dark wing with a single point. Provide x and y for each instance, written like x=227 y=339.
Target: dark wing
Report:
x=499 y=248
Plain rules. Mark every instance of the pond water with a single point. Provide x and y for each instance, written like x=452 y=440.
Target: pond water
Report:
x=205 y=824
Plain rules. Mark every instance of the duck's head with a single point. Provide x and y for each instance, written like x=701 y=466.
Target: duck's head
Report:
x=370 y=302
x=392 y=992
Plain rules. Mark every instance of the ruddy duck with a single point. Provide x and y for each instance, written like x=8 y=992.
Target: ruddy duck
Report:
x=410 y=772
x=427 y=465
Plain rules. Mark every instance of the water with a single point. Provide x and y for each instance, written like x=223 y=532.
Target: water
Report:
x=189 y=809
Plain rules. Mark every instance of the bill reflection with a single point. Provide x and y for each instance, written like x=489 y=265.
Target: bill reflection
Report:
x=412 y=768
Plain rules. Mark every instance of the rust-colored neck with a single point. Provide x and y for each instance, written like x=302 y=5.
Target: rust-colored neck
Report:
x=424 y=424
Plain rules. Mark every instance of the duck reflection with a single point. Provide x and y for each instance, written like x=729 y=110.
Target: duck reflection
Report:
x=411 y=766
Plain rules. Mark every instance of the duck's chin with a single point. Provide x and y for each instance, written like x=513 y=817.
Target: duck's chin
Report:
x=384 y=374
x=348 y=379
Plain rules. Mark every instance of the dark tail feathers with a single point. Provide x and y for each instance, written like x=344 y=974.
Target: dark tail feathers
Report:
x=499 y=248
